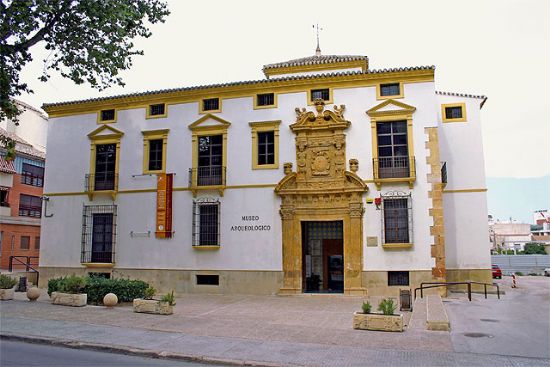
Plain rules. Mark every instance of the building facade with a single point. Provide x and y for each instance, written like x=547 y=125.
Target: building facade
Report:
x=21 y=185
x=326 y=176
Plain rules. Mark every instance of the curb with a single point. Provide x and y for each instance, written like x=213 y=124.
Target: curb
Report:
x=138 y=352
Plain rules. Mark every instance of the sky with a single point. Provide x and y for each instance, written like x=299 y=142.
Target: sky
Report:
x=498 y=48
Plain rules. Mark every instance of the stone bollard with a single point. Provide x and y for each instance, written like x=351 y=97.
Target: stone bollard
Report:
x=110 y=300
x=33 y=293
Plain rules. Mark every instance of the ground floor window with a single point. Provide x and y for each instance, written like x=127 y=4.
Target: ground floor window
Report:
x=396 y=218
x=98 y=233
x=398 y=278
x=206 y=222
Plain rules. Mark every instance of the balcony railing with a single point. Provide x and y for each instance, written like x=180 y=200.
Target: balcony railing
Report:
x=105 y=257
x=207 y=176
x=101 y=182
x=444 y=173
x=393 y=167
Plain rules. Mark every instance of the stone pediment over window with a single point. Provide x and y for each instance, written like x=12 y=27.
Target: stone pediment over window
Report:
x=209 y=121
x=391 y=107
x=105 y=132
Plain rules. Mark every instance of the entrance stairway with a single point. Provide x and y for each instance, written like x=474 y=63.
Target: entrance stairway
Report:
x=429 y=314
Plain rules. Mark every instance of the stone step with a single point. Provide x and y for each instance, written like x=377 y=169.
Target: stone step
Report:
x=418 y=318
x=436 y=316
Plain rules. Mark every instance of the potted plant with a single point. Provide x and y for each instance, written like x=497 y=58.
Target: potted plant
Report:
x=6 y=287
x=387 y=320
x=148 y=304
x=69 y=292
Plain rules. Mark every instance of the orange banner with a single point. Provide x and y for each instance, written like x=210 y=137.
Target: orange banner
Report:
x=164 y=205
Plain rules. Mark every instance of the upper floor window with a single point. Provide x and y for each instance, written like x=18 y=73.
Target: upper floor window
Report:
x=156 y=110
x=210 y=164
x=25 y=243
x=107 y=115
x=30 y=206
x=389 y=89
x=265 y=144
x=155 y=154
x=211 y=105
x=105 y=167
x=266 y=147
x=265 y=100
x=32 y=175
x=154 y=150
x=206 y=222
x=455 y=112
x=4 y=196
x=397 y=218
x=393 y=150
x=323 y=94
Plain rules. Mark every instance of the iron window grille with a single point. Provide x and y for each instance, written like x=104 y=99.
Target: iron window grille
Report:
x=398 y=278
x=30 y=206
x=155 y=154
x=208 y=279
x=266 y=99
x=266 y=147
x=397 y=220
x=323 y=94
x=108 y=115
x=32 y=175
x=206 y=222
x=157 y=109
x=99 y=230
x=390 y=89
x=453 y=112
x=211 y=104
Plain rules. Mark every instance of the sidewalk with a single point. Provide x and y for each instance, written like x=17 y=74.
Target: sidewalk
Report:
x=259 y=330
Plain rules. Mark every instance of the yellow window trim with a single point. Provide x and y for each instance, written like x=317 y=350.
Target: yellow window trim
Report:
x=263 y=126
x=330 y=95
x=100 y=121
x=104 y=135
x=397 y=246
x=379 y=95
x=148 y=111
x=201 y=105
x=378 y=114
x=199 y=129
x=461 y=119
x=255 y=101
x=207 y=248
x=154 y=135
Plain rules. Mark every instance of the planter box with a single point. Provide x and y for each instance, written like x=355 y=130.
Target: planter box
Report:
x=373 y=321
x=68 y=299
x=152 y=306
x=6 y=294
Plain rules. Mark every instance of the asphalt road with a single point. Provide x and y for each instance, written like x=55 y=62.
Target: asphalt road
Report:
x=15 y=353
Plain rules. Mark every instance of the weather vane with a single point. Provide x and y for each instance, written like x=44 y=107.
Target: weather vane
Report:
x=318 y=50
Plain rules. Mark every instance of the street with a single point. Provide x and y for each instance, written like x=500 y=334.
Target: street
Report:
x=16 y=353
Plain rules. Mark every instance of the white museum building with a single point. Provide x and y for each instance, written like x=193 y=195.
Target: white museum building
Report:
x=326 y=176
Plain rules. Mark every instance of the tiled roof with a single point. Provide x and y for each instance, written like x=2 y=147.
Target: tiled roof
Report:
x=314 y=60
x=232 y=84
x=22 y=146
x=6 y=166
x=465 y=95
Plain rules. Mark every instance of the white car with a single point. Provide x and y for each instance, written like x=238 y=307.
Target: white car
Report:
x=547 y=272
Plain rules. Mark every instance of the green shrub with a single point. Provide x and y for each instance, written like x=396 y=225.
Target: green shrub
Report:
x=7 y=282
x=53 y=285
x=125 y=289
x=387 y=306
x=519 y=273
x=149 y=293
x=72 y=284
x=169 y=297
x=366 y=307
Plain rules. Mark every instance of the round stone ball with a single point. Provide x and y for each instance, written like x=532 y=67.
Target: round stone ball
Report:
x=33 y=293
x=110 y=300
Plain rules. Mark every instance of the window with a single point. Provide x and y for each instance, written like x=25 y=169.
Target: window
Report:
x=155 y=154
x=210 y=165
x=398 y=278
x=265 y=144
x=105 y=167
x=208 y=280
x=98 y=233
x=37 y=243
x=30 y=206
x=389 y=90
x=4 y=196
x=32 y=175
x=211 y=105
x=104 y=162
x=396 y=218
x=25 y=243
x=156 y=110
x=206 y=222
x=323 y=94
x=455 y=112
x=154 y=150
x=107 y=116
x=393 y=150
x=265 y=100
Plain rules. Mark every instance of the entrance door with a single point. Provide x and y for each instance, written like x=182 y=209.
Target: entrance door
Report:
x=333 y=266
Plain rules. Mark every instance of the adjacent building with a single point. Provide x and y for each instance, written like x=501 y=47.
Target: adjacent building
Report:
x=326 y=176
x=21 y=185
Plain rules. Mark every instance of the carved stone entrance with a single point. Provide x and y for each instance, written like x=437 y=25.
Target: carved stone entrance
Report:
x=321 y=189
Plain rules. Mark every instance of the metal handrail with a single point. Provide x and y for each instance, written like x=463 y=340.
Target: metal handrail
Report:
x=445 y=284
x=27 y=264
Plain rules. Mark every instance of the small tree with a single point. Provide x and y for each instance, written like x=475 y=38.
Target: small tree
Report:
x=534 y=248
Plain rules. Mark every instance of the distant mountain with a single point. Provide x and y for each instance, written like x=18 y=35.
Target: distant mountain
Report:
x=517 y=198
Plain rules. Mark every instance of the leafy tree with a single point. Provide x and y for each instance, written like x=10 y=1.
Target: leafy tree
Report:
x=534 y=248
x=89 y=41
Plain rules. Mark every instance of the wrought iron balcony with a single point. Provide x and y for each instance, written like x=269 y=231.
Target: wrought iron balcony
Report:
x=207 y=176
x=393 y=167
x=105 y=257
x=101 y=182
x=444 y=173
